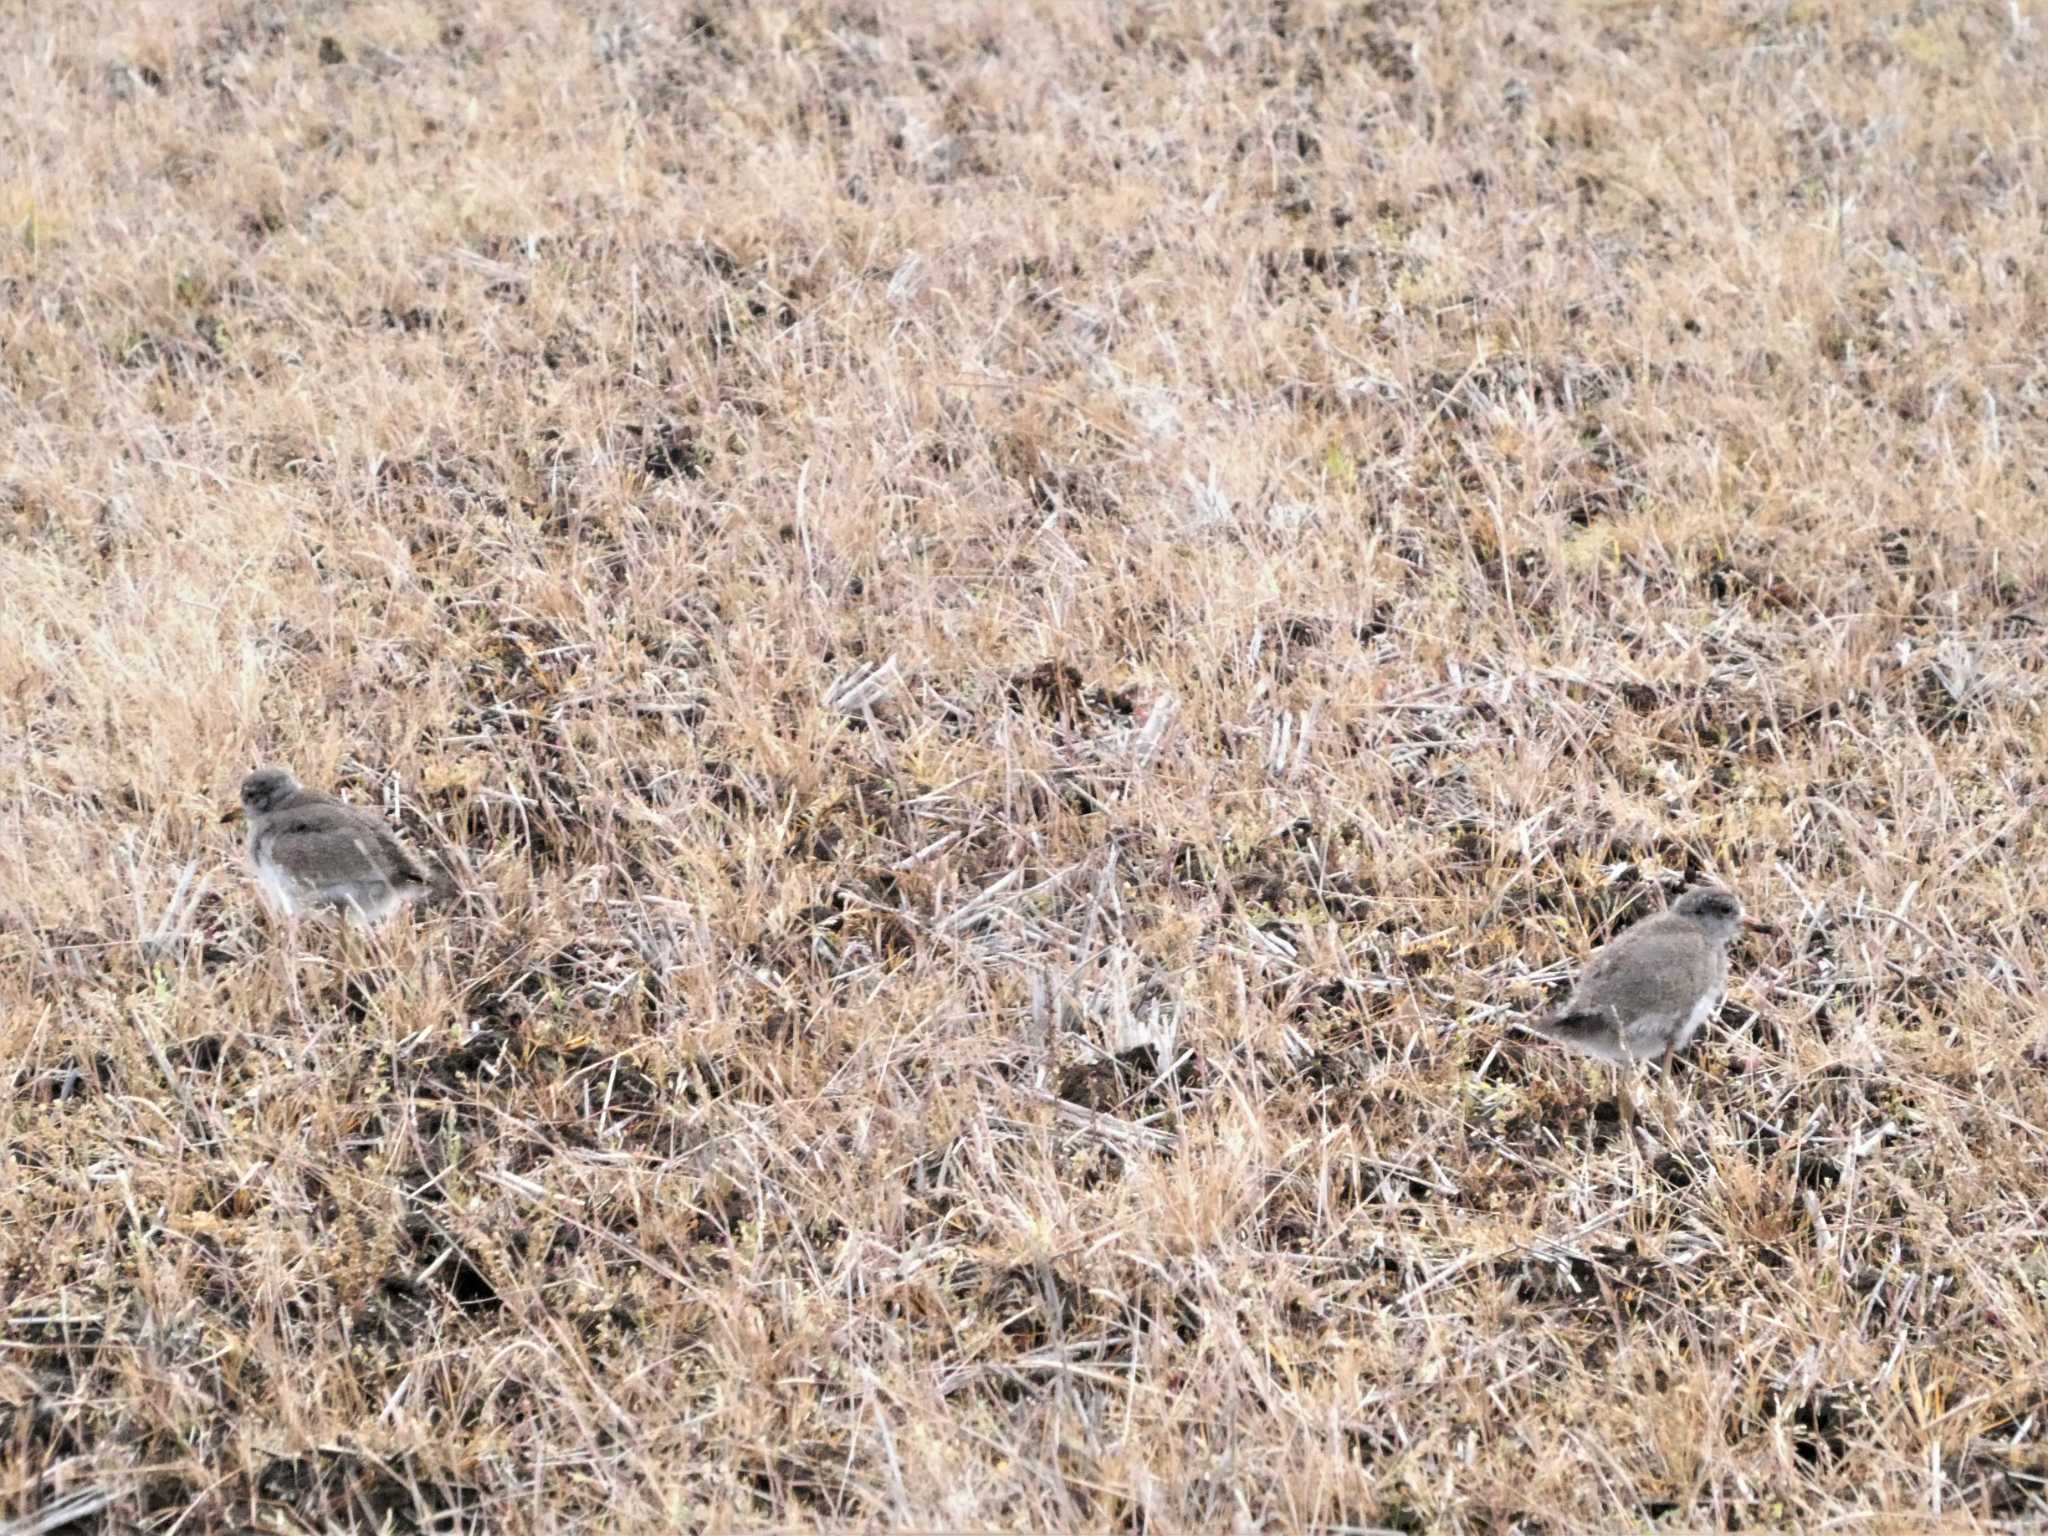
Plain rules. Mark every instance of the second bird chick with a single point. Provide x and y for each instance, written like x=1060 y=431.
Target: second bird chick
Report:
x=316 y=853
x=1645 y=995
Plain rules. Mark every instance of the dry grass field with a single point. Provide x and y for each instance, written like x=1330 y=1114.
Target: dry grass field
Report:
x=1029 y=625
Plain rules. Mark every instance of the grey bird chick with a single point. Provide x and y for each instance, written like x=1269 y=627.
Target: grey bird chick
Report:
x=1646 y=994
x=315 y=853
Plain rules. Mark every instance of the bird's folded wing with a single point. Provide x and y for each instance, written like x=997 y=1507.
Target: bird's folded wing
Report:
x=1650 y=969
x=324 y=845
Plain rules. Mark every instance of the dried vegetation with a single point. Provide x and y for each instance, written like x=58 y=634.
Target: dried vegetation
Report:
x=1031 y=624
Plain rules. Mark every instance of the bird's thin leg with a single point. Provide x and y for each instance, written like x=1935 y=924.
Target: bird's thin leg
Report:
x=1664 y=1080
x=366 y=947
x=370 y=936
x=288 y=956
x=1625 y=1104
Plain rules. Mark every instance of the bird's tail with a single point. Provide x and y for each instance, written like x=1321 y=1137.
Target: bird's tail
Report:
x=1591 y=1032
x=1570 y=1028
x=441 y=883
x=434 y=881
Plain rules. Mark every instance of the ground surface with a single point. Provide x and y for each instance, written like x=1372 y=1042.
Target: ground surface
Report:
x=1029 y=625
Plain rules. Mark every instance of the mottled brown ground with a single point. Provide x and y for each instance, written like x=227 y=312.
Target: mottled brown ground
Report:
x=1030 y=624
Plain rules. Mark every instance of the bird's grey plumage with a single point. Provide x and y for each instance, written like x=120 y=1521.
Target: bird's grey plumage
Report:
x=313 y=852
x=1647 y=993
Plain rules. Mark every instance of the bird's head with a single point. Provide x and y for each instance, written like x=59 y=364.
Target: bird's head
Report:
x=1717 y=911
x=262 y=790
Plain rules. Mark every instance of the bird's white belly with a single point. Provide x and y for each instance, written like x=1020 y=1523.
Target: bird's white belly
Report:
x=279 y=888
x=1702 y=1011
x=367 y=901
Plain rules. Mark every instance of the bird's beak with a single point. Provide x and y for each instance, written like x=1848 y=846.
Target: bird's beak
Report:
x=1758 y=925
x=232 y=813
